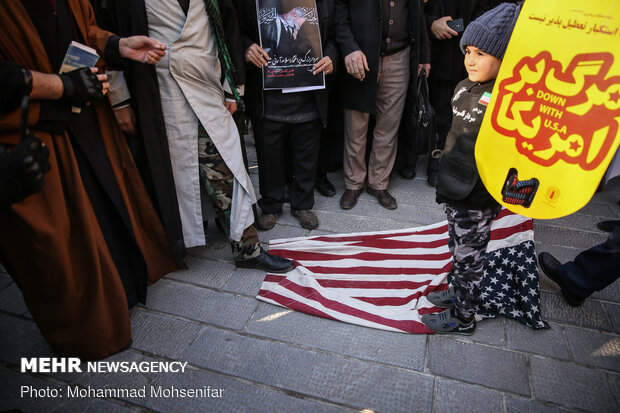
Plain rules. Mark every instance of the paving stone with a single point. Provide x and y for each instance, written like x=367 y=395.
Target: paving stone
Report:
x=575 y=221
x=491 y=331
x=599 y=209
x=200 y=304
x=613 y=313
x=341 y=222
x=338 y=379
x=218 y=247
x=21 y=338
x=237 y=396
x=593 y=348
x=208 y=273
x=549 y=342
x=614 y=382
x=403 y=350
x=161 y=335
x=5 y=280
x=454 y=396
x=11 y=382
x=12 y=300
x=284 y=229
x=552 y=235
x=571 y=386
x=591 y=314
x=245 y=281
x=463 y=361
x=516 y=405
x=609 y=293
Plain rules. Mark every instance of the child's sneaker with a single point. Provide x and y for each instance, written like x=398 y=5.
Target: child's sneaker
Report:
x=443 y=299
x=447 y=322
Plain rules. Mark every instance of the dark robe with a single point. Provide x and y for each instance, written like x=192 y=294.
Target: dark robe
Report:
x=152 y=156
x=52 y=242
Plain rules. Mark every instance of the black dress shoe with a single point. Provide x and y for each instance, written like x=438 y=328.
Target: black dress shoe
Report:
x=608 y=226
x=324 y=187
x=407 y=172
x=267 y=262
x=550 y=266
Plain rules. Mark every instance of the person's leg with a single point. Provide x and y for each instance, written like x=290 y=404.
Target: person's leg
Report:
x=391 y=93
x=593 y=269
x=354 y=162
x=218 y=181
x=273 y=166
x=470 y=233
x=305 y=138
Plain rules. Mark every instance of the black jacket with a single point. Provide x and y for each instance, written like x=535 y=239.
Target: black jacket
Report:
x=358 y=27
x=246 y=11
x=446 y=54
x=458 y=173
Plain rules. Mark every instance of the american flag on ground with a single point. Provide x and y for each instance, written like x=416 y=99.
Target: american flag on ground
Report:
x=381 y=279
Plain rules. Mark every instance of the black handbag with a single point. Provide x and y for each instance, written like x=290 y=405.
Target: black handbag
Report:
x=425 y=114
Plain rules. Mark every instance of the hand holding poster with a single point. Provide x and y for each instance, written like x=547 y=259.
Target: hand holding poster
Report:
x=551 y=127
x=289 y=33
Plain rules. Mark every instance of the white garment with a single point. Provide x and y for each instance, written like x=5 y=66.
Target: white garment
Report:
x=190 y=90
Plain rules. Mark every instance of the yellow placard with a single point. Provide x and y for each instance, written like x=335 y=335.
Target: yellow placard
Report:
x=552 y=126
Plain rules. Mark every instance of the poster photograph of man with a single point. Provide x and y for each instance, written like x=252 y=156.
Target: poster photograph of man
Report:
x=289 y=33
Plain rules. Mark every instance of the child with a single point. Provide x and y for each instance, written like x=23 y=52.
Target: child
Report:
x=470 y=209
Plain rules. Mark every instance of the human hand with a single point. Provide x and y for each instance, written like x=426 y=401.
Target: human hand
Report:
x=426 y=67
x=357 y=65
x=83 y=85
x=126 y=119
x=323 y=65
x=22 y=169
x=256 y=55
x=231 y=107
x=440 y=28
x=142 y=49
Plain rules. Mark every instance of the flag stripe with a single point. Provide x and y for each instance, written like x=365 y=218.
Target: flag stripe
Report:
x=381 y=279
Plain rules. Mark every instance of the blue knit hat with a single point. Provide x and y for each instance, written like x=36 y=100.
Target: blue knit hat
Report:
x=491 y=31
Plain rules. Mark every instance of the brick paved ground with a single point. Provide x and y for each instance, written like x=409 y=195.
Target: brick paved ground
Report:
x=270 y=359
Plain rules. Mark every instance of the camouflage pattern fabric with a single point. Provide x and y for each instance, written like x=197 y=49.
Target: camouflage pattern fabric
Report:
x=218 y=181
x=470 y=232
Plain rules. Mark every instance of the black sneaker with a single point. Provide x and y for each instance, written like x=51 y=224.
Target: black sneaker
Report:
x=447 y=322
x=443 y=299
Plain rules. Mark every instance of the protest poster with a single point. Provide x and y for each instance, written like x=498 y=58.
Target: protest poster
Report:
x=551 y=128
x=289 y=33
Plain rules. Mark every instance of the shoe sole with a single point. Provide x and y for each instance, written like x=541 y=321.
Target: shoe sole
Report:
x=261 y=268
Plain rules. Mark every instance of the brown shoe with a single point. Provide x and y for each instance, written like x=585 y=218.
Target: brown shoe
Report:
x=307 y=219
x=267 y=221
x=349 y=198
x=386 y=200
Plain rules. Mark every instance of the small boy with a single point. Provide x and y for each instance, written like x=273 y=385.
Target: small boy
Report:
x=470 y=209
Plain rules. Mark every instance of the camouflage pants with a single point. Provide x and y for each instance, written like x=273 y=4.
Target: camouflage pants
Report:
x=218 y=181
x=470 y=232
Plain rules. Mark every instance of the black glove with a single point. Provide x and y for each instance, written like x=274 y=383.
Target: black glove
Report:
x=81 y=86
x=22 y=170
